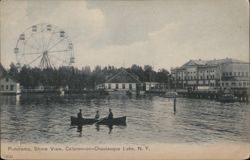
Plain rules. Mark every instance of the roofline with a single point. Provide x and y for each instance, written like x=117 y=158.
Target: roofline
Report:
x=123 y=70
x=10 y=77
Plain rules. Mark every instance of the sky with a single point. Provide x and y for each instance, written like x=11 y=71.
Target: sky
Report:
x=161 y=33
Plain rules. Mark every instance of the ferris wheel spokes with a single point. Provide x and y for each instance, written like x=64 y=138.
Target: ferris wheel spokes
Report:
x=57 y=58
x=59 y=51
x=37 y=42
x=58 y=62
x=32 y=53
x=32 y=36
x=34 y=60
x=31 y=46
x=45 y=61
x=50 y=40
x=57 y=43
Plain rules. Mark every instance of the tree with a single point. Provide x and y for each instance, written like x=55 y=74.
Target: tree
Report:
x=13 y=71
x=162 y=76
x=79 y=79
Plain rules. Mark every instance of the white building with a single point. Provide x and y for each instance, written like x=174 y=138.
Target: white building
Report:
x=9 y=86
x=122 y=81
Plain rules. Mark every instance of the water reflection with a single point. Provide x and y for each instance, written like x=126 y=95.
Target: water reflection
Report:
x=10 y=100
x=110 y=128
x=97 y=127
x=43 y=118
x=79 y=129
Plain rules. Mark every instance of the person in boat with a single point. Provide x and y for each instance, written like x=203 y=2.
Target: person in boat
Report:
x=97 y=115
x=110 y=116
x=79 y=115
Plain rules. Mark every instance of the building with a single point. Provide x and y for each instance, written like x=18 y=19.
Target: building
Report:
x=212 y=74
x=155 y=86
x=7 y=84
x=122 y=81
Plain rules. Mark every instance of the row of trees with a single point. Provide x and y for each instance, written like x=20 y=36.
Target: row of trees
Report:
x=77 y=78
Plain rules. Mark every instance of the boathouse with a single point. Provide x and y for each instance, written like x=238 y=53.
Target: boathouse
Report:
x=122 y=81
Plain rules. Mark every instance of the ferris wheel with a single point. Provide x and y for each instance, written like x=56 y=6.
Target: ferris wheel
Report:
x=44 y=46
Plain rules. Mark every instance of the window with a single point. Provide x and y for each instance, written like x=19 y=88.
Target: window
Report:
x=7 y=79
x=191 y=77
x=2 y=87
x=243 y=74
x=240 y=84
x=233 y=83
x=230 y=73
x=194 y=77
x=7 y=87
x=12 y=87
x=226 y=74
x=234 y=73
x=123 y=86
x=109 y=86
x=130 y=86
x=226 y=84
x=238 y=73
x=207 y=77
x=222 y=84
x=244 y=83
x=116 y=86
x=246 y=74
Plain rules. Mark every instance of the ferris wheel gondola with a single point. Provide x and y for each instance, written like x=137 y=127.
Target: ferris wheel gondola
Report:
x=44 y=46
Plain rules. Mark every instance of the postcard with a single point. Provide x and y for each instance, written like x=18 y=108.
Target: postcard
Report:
x=153 y=79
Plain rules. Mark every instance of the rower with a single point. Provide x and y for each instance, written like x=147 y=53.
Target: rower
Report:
x=79 y=115
x=110 y=116
x=97 y=116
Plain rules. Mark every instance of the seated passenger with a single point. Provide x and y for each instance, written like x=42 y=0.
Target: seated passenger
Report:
x=110 y=116
x=79 y=115
x=97 y=116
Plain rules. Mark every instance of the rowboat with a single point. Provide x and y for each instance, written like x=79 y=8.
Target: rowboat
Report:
x=104 y=121
x=115 y=121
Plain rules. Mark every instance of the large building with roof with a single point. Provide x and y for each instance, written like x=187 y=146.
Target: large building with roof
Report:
x=212 y=74
x=122 y=81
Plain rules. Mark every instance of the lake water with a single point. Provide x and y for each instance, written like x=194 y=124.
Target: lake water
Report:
x=150 y=119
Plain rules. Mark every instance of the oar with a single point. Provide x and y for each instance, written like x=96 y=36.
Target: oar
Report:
x=72 y=127
x=100 y=120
